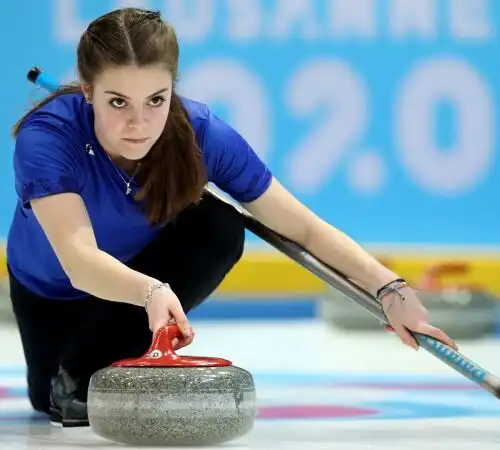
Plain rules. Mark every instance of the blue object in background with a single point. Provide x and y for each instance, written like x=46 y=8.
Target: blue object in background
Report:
x=379 y=115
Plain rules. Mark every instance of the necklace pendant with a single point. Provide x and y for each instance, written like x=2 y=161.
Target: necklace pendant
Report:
x=128 y=191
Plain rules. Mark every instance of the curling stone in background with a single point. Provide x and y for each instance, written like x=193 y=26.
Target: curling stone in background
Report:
x=462 y=311
x=166 y=399
x=6 y=312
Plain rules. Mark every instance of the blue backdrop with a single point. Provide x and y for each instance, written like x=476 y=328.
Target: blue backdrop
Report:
x=382 y=116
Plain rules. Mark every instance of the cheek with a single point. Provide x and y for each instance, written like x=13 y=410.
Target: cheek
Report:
x=158 y=120
x=108 y=120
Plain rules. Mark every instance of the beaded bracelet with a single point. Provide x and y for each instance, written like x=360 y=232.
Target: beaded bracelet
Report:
x=151 y=291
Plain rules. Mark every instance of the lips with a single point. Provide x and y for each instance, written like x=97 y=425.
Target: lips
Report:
x=136 y=141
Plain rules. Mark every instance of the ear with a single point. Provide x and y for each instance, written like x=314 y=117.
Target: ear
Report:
x=87 y=92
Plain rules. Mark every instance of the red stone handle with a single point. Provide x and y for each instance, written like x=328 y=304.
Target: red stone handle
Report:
x=161 y=353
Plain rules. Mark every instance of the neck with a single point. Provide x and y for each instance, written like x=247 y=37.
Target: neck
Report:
x=125 y=164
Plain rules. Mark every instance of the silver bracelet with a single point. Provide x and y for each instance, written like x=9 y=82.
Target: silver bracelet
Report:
x=151 y=291
x=392 y=287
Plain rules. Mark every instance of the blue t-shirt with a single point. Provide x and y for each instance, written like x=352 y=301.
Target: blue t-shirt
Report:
x=57 y=151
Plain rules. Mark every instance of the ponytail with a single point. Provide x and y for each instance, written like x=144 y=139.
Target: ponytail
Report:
x=72 y=88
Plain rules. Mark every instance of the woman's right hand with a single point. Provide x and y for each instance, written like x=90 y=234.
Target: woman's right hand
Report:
x=165 y=308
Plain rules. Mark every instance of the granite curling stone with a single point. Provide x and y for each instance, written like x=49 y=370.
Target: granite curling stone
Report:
x=166 y=399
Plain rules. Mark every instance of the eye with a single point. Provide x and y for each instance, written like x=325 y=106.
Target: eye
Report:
x=117 y=103
x=157 y=101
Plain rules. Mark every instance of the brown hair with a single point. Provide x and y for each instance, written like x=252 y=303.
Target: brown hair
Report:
x=172 y=175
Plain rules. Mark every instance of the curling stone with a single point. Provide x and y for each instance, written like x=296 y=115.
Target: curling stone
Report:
x=167 y=399
x=463 y=311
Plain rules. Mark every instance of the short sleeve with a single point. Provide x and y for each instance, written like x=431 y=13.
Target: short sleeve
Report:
x=45 y=163
x=232 y=163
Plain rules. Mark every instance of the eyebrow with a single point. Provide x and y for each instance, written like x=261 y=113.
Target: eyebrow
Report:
x=128 y=98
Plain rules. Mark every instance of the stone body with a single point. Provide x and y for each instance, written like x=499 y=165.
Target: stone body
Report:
x=171 y=405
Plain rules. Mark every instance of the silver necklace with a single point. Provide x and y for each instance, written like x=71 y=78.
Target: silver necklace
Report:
x=128 y=189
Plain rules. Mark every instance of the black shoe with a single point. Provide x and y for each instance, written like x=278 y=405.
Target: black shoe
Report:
x=68 y=404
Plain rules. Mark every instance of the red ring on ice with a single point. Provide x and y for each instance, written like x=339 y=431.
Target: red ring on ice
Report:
x=313 y=412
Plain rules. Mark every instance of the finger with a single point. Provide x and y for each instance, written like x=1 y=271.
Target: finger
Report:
x=438 y=334
x=406 y=336
x=182 y=321
x=157 y=324
x=183 y=342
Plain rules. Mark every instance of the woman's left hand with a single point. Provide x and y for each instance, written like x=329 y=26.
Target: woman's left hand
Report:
x=409 y=314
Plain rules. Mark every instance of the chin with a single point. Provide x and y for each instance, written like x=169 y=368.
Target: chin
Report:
x=135 y=152
x=134 y=156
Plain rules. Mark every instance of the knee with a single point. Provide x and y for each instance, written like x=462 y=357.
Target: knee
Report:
x=227 y=231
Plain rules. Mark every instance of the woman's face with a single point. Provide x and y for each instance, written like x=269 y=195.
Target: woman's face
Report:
x=131 y=106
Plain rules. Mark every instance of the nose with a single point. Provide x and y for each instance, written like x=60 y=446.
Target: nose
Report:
x=137 y=119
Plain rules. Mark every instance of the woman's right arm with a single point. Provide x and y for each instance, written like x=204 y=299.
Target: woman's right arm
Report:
x=65 y=221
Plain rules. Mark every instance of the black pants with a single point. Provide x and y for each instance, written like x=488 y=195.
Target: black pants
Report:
x=194 y=254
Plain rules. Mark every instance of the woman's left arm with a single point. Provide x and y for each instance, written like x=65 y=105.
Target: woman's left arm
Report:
x=236 y=169
x=279 y=210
